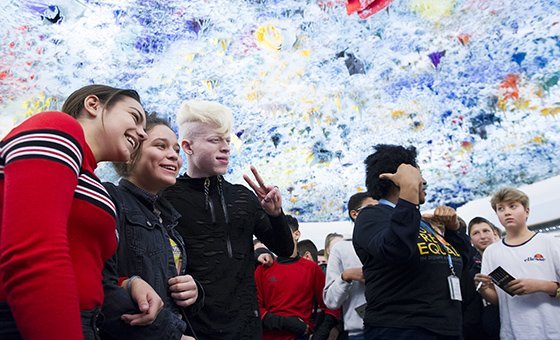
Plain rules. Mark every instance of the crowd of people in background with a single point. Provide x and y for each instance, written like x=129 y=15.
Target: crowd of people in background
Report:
x=164 y=255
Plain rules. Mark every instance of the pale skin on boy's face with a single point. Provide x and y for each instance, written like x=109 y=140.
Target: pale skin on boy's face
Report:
x=207 y=151
x=512 y=215
x=482 y=236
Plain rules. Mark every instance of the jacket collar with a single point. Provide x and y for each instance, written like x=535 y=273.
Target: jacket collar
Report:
x=147 y=198
x=199 y=182
x=150 y=200
x=205 y=184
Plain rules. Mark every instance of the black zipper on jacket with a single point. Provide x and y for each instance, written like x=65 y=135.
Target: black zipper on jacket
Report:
x=226 y=217
x=210 y=206
x=208 y=199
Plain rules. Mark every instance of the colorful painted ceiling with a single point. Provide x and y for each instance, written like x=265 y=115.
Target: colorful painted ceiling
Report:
x=472 y=83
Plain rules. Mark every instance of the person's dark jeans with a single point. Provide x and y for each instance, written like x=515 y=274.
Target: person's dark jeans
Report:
x=9 y=331
x=393 y=333
x=91 y=319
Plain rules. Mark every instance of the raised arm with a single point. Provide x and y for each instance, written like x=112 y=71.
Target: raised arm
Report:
x=391 y=234
x=388 y=234
x=268 y=195
x=271 y=227
x=447 y=217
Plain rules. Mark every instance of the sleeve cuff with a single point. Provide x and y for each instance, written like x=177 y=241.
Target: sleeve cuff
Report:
x=121 y=280
x=276 y=217
x=344 y=281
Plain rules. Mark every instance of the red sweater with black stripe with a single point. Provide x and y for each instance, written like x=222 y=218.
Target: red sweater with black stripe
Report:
x=289 y=287
x=57 y=226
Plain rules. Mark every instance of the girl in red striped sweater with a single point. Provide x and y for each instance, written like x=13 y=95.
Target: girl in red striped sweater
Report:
x=58 y=222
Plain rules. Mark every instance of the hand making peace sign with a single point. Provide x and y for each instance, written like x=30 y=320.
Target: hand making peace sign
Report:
x=269 y=195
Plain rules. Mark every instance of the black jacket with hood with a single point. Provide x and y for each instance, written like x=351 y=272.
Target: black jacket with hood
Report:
x=218 y=222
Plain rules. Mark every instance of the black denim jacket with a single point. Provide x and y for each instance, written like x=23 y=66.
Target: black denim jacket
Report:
x=145 y=224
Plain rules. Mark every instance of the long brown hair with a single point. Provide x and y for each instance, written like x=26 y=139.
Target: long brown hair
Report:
x=107 y=95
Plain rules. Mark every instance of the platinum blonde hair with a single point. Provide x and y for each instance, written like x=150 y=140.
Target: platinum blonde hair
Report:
x=203 y=111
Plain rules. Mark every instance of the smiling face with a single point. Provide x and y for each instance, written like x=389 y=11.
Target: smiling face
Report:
x=123 y=129
x=158 y=163
x=207 y=150
x=512 y=215
x=482 y=236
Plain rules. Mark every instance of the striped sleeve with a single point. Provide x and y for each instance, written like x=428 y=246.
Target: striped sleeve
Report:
x=93 y=191
x=40 y=172
x=53 y=145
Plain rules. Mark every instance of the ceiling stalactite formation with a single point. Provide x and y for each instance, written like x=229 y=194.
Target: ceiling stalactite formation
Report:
x=314 y=85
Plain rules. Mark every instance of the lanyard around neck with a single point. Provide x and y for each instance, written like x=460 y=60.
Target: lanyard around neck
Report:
x=441 y=241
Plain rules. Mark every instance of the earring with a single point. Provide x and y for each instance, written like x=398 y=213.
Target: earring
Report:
x=189 y=152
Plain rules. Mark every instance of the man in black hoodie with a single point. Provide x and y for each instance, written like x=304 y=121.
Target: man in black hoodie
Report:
x=218 y=222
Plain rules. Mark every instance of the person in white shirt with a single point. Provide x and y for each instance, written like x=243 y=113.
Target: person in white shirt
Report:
x=344 y=285
x=530 y=303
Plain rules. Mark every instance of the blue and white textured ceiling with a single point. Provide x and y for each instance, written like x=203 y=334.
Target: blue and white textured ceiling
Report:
x=474 y=84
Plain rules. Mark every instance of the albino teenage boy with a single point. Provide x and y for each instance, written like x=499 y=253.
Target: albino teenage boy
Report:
x=533 y=260
x=218 y=222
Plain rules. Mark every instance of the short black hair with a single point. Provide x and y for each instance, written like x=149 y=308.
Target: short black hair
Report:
x=386 y=159
x=292 y=222
x=477 y=220
x=355 y=201
x=308 y=245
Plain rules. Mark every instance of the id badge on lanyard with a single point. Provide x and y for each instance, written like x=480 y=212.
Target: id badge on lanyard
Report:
x=454 y=288
x=452 y=280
